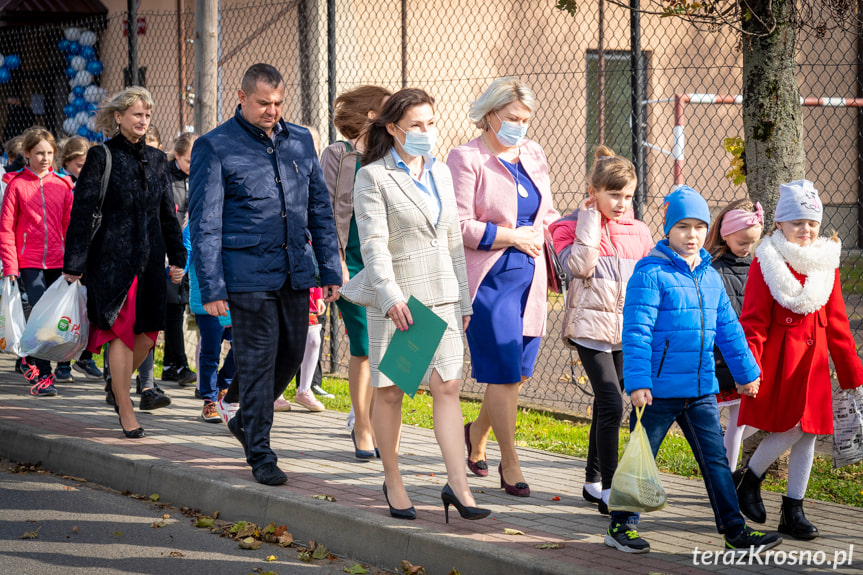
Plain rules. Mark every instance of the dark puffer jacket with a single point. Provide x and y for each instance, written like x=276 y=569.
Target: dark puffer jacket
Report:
x=137 y=224
x=734 y=270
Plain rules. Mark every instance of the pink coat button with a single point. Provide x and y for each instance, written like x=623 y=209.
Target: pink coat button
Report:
x=788 y=320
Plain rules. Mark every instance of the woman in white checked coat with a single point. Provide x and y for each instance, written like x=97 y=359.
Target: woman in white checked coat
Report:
x=408 y=225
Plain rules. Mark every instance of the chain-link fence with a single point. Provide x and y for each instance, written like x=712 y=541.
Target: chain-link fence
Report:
x=579 y=67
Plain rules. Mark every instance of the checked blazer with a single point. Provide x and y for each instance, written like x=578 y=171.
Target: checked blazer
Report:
x=403 y=252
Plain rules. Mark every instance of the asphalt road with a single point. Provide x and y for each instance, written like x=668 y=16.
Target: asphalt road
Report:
x=85 y=528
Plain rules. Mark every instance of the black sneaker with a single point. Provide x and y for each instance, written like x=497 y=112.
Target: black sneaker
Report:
x=625 y=538
x=87 y=368
x=753 y=541
x=153 y=399
x=183 y=375
x=239 y=434
x=63 y=374
x=321 y=392
x=269 y=474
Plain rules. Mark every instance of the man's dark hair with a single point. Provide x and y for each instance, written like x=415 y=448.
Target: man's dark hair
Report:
x=261 y=73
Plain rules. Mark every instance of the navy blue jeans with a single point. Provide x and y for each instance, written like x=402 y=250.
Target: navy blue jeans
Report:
x=269 y=331
x=698 y=418
x=211 y=378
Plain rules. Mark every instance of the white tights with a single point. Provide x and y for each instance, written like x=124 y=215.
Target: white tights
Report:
x=733 y=436
x=802 y=446
x=310 y=358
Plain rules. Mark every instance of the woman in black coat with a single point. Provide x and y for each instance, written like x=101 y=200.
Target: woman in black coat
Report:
x=123 y=263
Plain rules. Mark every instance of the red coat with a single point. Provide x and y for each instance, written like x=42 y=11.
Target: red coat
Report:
x=33 y=221
x=792 y=351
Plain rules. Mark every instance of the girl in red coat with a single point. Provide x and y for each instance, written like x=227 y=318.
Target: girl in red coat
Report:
x=793 y=315
x=33 y=222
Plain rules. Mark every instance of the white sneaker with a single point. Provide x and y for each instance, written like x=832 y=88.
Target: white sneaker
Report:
x=281 y=404
x=226 y=410
x=308 y=400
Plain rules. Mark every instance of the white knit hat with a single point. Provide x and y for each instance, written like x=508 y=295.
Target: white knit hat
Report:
x=798 y=201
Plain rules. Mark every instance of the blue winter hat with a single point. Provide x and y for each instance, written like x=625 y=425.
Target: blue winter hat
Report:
x=682 y=203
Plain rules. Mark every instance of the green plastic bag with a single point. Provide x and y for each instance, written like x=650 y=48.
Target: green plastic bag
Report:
x=636 y=485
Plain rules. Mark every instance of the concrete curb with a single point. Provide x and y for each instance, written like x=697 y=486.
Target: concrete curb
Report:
x=347 y=531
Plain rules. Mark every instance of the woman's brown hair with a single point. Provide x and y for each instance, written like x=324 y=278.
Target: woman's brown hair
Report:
x=351 y=109
x=183 y=145
x=714 y=242
x=379 y=140
x=610 y=171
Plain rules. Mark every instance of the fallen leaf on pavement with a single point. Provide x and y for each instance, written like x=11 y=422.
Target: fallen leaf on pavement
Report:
x=320 y=552
x=215 y=515
x=555 y=498
x=237 y=526
x=305 y=555
x=356 y=569
x=271 y=528
x=280 y=530
x=272 y=558
x=31 y=534
x=204 y=522
x=510 y=531
x=70 y=488
x=154 y=497
x=285 y=540
x=550 y=546
x=409 y=569
x=455 y=572
x=158 y=524
x=75 y=529
x=175 y=554
x=324 y=498
x=250 y=543
x=72 y=478
x=247 y=530
x=118 y=533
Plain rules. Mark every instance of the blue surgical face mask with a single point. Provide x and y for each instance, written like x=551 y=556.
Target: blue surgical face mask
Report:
x=510 y=134
x=419 y=143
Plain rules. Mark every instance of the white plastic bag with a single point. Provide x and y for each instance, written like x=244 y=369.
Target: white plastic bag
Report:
x=636 y=485
x=848 y=427
x=58 y=328
x=11 y=317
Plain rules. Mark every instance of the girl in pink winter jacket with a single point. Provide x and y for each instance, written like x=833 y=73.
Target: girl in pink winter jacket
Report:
x=599 y=245
x=33 y=222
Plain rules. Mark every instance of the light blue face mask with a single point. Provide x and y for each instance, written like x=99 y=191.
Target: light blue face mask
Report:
x=510 y=134
x=419 y=143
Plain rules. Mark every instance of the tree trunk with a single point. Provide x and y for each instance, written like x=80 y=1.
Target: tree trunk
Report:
x=772 y=121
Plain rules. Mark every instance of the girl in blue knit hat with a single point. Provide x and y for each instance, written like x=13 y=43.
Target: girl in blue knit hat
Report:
x=676 y=310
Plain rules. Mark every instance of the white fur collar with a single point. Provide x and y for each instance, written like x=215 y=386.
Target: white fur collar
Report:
x=818 y=262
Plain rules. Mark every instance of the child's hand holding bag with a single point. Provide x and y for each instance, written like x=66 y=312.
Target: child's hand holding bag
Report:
x=636 y=485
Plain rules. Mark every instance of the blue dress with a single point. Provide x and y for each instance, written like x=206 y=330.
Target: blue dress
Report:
x=499 y=351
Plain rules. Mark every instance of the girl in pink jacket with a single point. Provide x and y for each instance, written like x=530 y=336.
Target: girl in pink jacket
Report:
x=599 y=245
x=33 y=222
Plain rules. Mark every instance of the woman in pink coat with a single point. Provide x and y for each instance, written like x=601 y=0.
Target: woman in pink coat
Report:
x=505 y=207
x=33 y=222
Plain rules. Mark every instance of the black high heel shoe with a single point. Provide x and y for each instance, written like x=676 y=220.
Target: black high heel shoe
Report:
x=448 y=497
x=135 y=433
x=409 y=513
x=362 y=453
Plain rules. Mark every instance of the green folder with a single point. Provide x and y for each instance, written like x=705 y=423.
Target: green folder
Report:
x=411 y=351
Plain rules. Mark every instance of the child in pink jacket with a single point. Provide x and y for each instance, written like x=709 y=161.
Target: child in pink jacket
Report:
x=33 y=222
x=599 y=245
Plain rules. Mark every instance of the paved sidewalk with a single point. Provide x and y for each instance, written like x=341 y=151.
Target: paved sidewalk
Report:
x=200 y=465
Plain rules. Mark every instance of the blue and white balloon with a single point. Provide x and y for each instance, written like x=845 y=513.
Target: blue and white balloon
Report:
x=78 y=63
x=82 y=78
x=63 y=45
x=72 y=34
x=87 y=38
x=94 y=94
x=80 y=104
x=70 y=126
x=69 y=110
x=84 y=132
x=81 y=118
x=88 y=53
x=78 y=91
x=5 y=75
x=91 y=123
x=95 y=67
x=12 y=61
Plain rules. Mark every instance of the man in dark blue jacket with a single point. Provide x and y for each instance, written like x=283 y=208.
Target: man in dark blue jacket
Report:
x=260 y=214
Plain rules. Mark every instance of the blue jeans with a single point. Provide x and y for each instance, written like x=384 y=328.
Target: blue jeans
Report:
x=698 y=418
x=269 y=330
x=211 y=378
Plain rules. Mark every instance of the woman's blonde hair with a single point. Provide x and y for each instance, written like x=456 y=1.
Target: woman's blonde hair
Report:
x=714 y=243
x=502 y=91
x=610 y=171
x=72 y=148
x=119 y=103
x=34 y=136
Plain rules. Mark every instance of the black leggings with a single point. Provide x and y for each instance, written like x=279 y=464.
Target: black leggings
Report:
x=605 y=372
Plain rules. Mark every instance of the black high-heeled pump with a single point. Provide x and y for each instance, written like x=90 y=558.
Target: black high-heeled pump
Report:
x=409 y=513
x=135 y=433
x=471 y=513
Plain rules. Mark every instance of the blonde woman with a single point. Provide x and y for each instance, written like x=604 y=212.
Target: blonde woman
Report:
x=123 y=263
x=505 y=207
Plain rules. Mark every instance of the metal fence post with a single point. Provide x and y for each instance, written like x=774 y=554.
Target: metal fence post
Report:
x=206 y=64
x=636 y=63
x=132 y=9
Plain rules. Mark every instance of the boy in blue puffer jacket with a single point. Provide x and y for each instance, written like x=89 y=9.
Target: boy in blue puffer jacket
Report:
x=676 y=310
